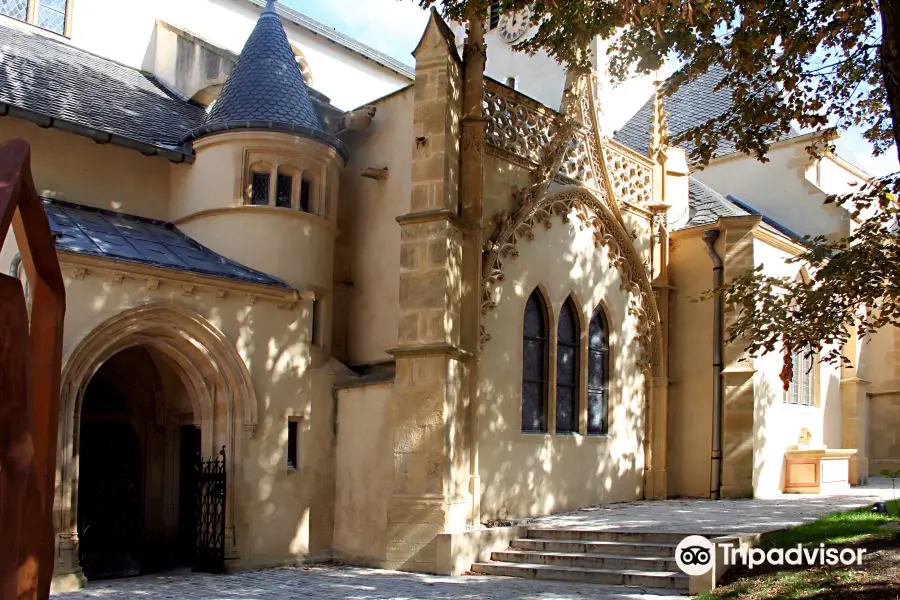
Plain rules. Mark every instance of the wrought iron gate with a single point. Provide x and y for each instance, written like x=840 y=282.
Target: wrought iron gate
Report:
x=209 y=511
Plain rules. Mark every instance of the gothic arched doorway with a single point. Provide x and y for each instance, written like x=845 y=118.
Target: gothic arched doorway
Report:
x=201 y=372
x=137 y=442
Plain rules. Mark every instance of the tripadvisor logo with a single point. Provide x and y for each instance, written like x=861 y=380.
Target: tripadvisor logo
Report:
x=695 y=554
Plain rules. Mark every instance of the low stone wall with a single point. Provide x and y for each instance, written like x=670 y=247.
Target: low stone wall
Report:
x=457 y=552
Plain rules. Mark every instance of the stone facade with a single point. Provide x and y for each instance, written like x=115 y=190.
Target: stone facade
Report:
x=408 y=249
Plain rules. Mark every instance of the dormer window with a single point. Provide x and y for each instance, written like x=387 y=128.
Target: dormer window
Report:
x=259 y=189
x=284 y=190
x=46 y=14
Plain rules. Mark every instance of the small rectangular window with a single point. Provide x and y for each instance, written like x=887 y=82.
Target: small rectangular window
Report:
x=316 y=322
x=292 y=445
x=305 y=191
x=283 y=191
x=259 y=192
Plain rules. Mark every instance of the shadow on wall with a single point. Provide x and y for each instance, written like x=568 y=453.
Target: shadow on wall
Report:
x=534 y=474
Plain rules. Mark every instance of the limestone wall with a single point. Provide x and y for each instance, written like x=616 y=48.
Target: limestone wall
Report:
x=77 y=169
x=530 y=474
x=369 y=241
x=884 y=432
x=363 y=473
x=690 y=367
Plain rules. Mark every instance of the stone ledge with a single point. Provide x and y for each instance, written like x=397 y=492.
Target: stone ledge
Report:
x=430 y=350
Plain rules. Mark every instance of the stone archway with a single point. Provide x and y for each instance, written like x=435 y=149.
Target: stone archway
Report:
x=209 y=368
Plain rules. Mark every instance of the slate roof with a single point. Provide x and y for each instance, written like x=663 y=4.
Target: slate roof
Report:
x=767 y=220
x=118 y=236
x=693 y=104
x=266 y=89
x=706 y=205
x=53 y=79
x=337 y=37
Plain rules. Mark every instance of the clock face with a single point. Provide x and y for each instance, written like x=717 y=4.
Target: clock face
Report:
x=513 y=25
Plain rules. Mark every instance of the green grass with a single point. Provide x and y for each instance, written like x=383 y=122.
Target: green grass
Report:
x=875 y=581
x=821 y=583
x=840 y=528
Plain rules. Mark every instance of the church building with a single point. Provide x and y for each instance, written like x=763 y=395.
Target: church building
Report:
x=322 y=305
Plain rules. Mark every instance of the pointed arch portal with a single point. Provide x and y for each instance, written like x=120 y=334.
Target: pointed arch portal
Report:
x=211 y=383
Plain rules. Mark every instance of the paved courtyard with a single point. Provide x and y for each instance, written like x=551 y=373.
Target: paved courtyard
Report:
x=340 y=582
x=333 y=583
x=725 y=516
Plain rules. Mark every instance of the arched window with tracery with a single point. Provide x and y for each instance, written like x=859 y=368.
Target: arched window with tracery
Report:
x=567 y=368
x=598 y=374
x=535 y=352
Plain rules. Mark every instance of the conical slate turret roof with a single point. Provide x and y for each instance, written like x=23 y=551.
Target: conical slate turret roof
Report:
x=266 y=89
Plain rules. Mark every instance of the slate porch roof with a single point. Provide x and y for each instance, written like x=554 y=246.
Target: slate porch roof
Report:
x=118 y=236
x=56 y=80
x=706 y=206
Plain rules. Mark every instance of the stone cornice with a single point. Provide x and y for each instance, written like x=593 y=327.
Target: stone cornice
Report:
x=430 y=216
x=291 y=213
x=431 y=350
x=84 y=265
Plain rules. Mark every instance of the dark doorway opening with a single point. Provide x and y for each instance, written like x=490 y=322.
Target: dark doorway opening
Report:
x=187 y=486
x=135 y=459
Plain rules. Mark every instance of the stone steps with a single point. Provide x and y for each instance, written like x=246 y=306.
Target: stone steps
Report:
x=587 y=561
x=641 y=559
x=657 y=581
x=599 y=547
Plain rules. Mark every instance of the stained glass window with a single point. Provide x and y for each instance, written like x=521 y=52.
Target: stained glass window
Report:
x=598 y=374
x=259 y=192
x=567 y=369
x=534 y=365
x=283 y=191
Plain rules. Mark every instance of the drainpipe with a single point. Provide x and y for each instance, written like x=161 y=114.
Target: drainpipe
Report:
x=715 y=484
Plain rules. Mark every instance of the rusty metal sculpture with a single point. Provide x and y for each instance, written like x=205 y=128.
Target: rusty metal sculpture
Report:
x=30 y=358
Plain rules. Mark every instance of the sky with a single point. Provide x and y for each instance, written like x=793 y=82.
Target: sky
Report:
x=395 y=26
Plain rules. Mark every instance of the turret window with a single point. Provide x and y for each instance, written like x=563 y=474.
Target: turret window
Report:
x=284 y=191
x=259 y=189
x=305 y=193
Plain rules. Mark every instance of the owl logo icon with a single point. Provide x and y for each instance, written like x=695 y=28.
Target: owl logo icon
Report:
x=694 y=555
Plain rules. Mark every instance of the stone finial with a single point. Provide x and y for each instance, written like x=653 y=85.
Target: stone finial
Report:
x=437 y=37
x=659 y=128
x=805 y=436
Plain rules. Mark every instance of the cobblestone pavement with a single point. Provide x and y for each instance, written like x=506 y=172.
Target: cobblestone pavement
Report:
x=723 y=516
x=334 y=582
